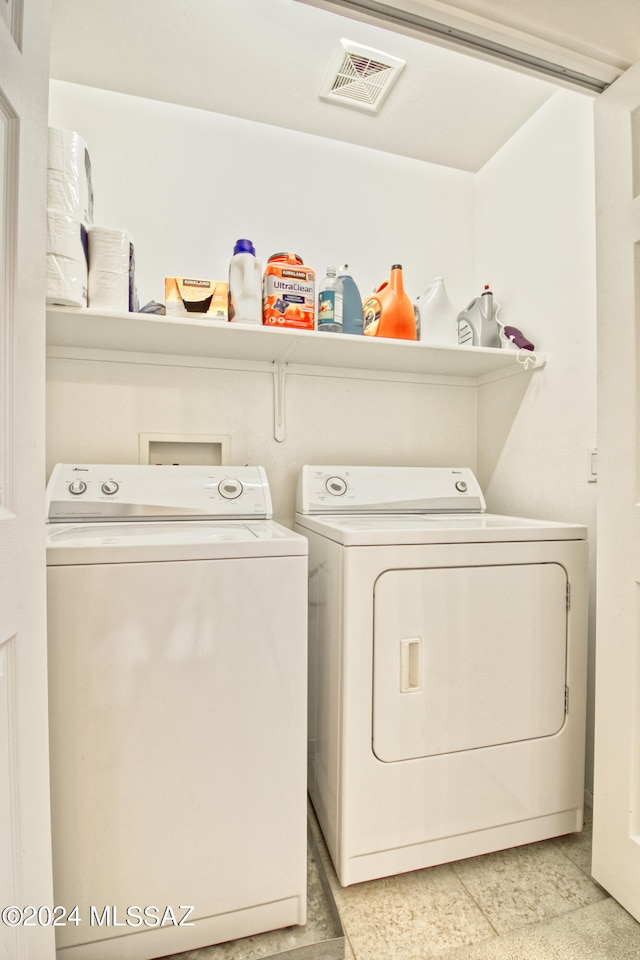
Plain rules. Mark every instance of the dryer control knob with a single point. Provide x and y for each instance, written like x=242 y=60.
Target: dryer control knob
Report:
x=461 y=486
x=77 y=487
x=230 y=489
x=109 y=487
x=336 y=486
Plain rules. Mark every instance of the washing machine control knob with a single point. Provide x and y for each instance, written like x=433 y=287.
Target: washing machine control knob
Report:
x=76 y=487
x=461 y=486
x=109 y=487
x=230 y=489
x=336 y=486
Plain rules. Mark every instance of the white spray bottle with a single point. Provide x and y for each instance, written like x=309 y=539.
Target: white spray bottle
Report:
x=480 y=317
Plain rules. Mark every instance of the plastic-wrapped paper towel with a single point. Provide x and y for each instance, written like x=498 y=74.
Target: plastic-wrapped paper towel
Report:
x=111 y=269
x=66 y=260
x=69 y=187
x=69 y=213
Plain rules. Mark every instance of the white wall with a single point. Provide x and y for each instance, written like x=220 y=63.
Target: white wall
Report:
x=187 y=184
x=535 y=228
x=97 y=409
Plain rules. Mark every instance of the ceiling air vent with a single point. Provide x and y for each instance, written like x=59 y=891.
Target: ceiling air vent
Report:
x=360 y=77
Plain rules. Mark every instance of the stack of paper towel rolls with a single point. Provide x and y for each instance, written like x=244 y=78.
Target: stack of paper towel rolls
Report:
x=69 y=213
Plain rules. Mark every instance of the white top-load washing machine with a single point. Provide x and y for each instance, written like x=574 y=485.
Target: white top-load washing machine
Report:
x=447 y=665
x=178 y=672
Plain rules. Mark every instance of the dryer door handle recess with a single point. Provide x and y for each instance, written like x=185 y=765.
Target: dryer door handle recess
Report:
x=410 y=665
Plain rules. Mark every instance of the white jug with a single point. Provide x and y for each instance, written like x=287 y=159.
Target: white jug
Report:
x=437 y=316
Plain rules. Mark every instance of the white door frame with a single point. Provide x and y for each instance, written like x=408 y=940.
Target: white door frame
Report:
x=616 y=832
x=25 y=845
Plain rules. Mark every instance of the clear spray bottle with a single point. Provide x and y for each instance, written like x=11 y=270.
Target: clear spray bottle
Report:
x=330 y=301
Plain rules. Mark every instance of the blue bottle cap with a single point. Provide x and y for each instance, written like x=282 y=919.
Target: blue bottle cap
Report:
x=244 y=246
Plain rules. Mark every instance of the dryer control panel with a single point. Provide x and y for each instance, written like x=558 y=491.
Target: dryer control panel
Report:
x=341 y=489
x=94 y=492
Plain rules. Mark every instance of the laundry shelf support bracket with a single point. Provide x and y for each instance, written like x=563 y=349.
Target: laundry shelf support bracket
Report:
x=280 y=396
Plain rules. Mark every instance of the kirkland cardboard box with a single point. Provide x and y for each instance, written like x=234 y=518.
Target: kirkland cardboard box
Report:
x=185 y=297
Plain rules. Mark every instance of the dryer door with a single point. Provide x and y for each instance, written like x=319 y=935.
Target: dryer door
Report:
x=468 y=657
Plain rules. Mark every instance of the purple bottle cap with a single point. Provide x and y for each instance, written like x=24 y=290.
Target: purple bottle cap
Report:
x=244 y=246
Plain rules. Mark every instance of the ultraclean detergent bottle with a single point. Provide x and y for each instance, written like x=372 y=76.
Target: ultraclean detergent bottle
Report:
x=289 y=292
x=245 y=284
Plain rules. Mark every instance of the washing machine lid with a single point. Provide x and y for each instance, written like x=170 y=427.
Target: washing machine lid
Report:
x=401 y=529
x=127 y=542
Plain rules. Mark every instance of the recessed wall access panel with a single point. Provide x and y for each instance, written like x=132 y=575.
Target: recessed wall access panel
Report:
x=185 y=449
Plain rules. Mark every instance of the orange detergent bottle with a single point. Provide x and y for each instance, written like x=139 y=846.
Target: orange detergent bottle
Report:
x=289 y=292
x=389 y=311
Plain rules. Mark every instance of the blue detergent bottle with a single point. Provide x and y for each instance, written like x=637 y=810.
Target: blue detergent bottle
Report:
x=351 y=302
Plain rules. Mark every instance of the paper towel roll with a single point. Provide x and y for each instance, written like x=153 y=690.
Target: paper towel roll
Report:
x=68 y=195
x=66 y=236
x=69 y=184
x=66 y=151
x=111 y=265
x=66 y=281
x=66 y=260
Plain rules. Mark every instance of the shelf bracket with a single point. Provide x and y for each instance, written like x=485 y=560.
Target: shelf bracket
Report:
x=280 y=395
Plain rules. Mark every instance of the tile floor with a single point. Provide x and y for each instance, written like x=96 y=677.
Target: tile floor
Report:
x=536 y=902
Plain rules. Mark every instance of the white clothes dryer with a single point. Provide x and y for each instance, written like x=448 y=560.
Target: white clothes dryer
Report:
x=177 y=687
x=447 y=669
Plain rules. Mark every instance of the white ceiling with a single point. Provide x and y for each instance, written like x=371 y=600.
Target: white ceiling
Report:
x=265 y=60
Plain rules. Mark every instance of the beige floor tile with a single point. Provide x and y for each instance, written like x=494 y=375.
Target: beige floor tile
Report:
x=348 y=952
x=526 y=885
x=413 y=916
x=601 y=931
